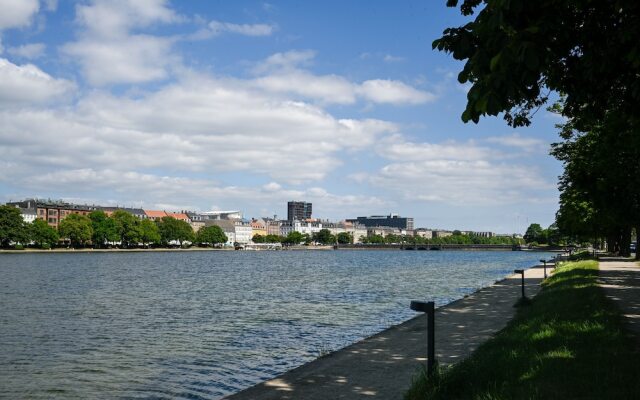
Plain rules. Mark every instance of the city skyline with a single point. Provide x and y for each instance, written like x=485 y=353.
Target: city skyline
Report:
x=176 y=105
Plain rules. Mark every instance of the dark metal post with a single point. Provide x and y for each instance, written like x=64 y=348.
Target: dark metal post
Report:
x=545 y=268
x=429 y=309
x=521 y=272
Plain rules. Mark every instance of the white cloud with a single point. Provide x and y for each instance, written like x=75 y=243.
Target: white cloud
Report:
x=134 y=59
x=28 y=85
x=397 y=149
x=17 y=13
x=392 y=59
x=393 y=92
x=281 y=73
x=199 y=124
x=527 y=144
x=110 y=53
x=29 y=51
x=455 y=174
x=218 y=28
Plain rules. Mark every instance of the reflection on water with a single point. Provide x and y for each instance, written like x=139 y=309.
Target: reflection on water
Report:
x=206 y=324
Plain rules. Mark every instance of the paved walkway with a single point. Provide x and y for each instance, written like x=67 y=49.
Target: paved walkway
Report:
x=621 y=282
x=381 y=366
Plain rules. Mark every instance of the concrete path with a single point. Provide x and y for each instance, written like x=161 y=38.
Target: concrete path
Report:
x=621 y=283
x=381 y=366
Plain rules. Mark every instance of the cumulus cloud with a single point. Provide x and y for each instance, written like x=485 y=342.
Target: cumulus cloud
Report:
x=218 y=28
x=282 y=73
x=524 y=143
x=110 y=53
x=17 y=14
x=198 y=124
x=29 y=51
x=455 y=173
x=28 y=85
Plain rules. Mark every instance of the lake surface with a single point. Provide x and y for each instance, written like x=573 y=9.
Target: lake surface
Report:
x=206 y=324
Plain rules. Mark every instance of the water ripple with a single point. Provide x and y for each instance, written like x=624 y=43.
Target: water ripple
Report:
x=206 y=324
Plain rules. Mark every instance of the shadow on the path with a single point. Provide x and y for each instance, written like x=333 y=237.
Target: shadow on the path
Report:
x=622 y=286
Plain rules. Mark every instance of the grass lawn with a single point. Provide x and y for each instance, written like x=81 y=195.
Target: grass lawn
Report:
x=567 y=344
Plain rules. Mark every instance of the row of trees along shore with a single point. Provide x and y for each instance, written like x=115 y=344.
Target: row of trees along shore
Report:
x=101 y=231
x=585 y=55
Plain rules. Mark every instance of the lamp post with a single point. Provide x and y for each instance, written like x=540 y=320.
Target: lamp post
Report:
x=429 y=309
x=521 y=272
x=545 y=268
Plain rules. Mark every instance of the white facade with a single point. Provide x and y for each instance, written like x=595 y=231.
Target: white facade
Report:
x=28 y=217
x=221 y=215
x=231 y=238
x=308 y=228
x=243 y=232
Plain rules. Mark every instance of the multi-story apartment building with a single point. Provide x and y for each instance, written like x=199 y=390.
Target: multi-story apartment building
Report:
x=298 y=210
x=308 y=228
x=52 y=211
x=391 y=221
x=258 y=227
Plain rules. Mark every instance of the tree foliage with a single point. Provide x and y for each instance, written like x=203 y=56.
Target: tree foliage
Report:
x=148 y=232
x=42 y=234
x=211 y=235
x=104 y=228
x=172 y=229
x=126 y=227
x=517 y=51
x=324 y=236
x=77 y=228
x=12 y=226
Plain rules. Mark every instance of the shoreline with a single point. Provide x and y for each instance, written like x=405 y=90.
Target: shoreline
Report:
x=292 y=248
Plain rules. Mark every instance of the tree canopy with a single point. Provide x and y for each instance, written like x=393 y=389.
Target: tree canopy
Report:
x=518 y=52
x=212 y=235
x=77 y=228
x=12 y=226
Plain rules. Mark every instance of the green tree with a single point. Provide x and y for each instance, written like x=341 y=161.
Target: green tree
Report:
x=148 y=232
x=344 y=238
x=212 y=235
x=43 y=234
x=324 y=236
x=515 y=51
x=534 y=233
x=127 y=228
x=104 y=228
x=258 y=238
x=77 y=228
x=172 y=229
x=293 y=238
x=12 y=226
x=272 y=239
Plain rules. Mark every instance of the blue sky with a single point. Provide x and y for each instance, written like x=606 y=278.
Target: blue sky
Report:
x=247 y=104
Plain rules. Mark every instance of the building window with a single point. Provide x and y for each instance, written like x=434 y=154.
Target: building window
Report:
x=52 y=220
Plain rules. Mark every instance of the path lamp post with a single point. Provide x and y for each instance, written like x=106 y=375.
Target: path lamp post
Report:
x=521 y=272
x=545 y=268
x=429 y=309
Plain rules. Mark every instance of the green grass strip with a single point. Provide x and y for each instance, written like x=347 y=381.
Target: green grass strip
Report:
x=569 y=343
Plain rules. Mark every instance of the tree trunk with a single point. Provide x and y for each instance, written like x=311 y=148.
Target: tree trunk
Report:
x=625 y=241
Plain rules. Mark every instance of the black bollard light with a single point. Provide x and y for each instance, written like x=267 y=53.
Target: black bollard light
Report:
x=429 y=308
x=521 y=272
x=545 y=268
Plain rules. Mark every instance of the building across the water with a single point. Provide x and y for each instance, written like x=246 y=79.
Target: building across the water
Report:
x=390 y=221
x=298 y=211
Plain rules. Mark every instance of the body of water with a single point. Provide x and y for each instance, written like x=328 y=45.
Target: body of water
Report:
x=207 y=324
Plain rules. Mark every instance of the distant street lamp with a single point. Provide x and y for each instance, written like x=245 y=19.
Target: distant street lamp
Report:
x=521 y=272
x=429 y=309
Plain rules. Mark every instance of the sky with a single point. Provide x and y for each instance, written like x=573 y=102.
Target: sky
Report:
x=245 y=105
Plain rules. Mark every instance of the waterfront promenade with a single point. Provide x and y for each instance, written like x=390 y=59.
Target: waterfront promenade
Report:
x=381 y=366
